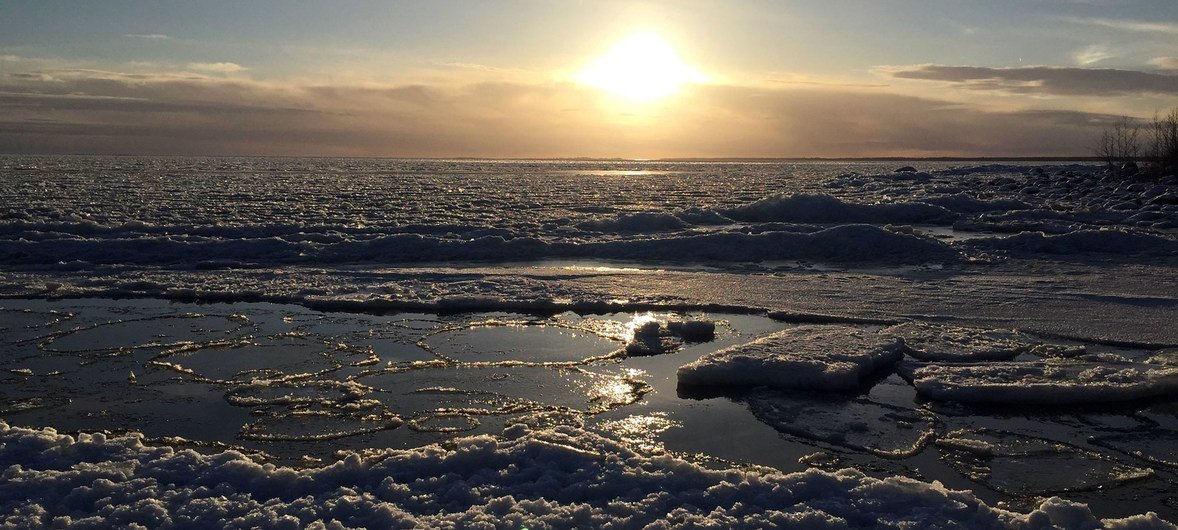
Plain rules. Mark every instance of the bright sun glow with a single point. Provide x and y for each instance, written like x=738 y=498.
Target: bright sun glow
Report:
x=642 y=67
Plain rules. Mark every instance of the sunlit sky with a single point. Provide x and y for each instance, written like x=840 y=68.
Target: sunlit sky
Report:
x=735 y=78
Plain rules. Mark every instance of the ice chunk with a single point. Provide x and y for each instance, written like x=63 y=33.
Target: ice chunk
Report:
x=828 y=358
x=938 y=342
x=1023 y=465
x=693 y=330
x=1042 y=382
x=863 y=425
x=651 y=336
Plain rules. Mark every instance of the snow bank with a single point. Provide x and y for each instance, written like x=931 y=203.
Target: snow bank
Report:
x=829 y=358
x=1079 y=242
x=852 y=243
x=556 y=478
x=1042 y=382
x=937 y=342
x=637 y=222
x=804 y=208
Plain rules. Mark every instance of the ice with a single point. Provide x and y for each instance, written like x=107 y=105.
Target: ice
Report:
x=499 y=390
x=827 y=358
x=273 y=358
x=559 y=478
x=939 y=342
x=860 y=424
x=495 y=341
x=1050 y=382
x=318 y=425
x=145 y=332
x=1022 y=465
x=804 y=208
x=1156 y=446
x=962 y=203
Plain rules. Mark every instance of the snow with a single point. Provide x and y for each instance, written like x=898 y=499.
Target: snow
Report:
x=1051 y=382
x=828 y=358
x=552 y=478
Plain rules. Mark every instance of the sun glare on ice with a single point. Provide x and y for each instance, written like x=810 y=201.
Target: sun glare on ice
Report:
x=641 y=67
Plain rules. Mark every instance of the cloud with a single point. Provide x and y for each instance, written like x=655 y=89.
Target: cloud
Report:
x=1044 y=79
x=96 y=111
x=1091 y=54
x=1165 y=63
x=1127 y=25
x=219 y=68
x=147 y=36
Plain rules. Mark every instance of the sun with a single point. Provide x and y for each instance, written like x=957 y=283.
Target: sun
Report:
x=641 y=68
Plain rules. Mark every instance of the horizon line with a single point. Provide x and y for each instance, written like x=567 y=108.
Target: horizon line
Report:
x=1042 y=158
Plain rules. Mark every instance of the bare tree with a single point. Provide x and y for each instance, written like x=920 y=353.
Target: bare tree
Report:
x=1121 y=143
x=1162 y=144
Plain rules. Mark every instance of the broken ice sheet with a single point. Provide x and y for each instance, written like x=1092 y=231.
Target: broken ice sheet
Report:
x=494 y=341
x=294 y=392
x=1159 y=446
x=17 y=325
x=826 y=358
x=1051 y=382
x=268 y=358
x=503 y=389
x=316 y=425
x=145 y=332
x=859 y=424
x=1022 y=465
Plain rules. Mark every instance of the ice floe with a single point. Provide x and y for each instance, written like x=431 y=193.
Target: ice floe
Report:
x=883 y=430
x=1024 y=465
x=1050 y=382
x=831 y=358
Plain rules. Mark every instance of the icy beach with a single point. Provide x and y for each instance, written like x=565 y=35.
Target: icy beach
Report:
x=190 y=343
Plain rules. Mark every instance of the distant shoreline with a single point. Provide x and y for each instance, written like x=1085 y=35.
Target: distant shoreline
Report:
x=593 y=159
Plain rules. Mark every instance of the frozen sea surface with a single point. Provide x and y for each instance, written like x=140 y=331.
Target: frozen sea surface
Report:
x=440 y=320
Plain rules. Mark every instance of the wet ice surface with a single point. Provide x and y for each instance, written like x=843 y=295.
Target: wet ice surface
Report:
x=295 y=386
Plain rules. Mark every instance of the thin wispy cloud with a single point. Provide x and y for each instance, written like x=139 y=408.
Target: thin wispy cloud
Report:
x=1091 y=54
x=1127 y=25
x=1043 y=79
x=217 y=68
x=1165 y=63
x=147 y=36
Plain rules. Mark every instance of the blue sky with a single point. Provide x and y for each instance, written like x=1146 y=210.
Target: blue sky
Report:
x=506 y=65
